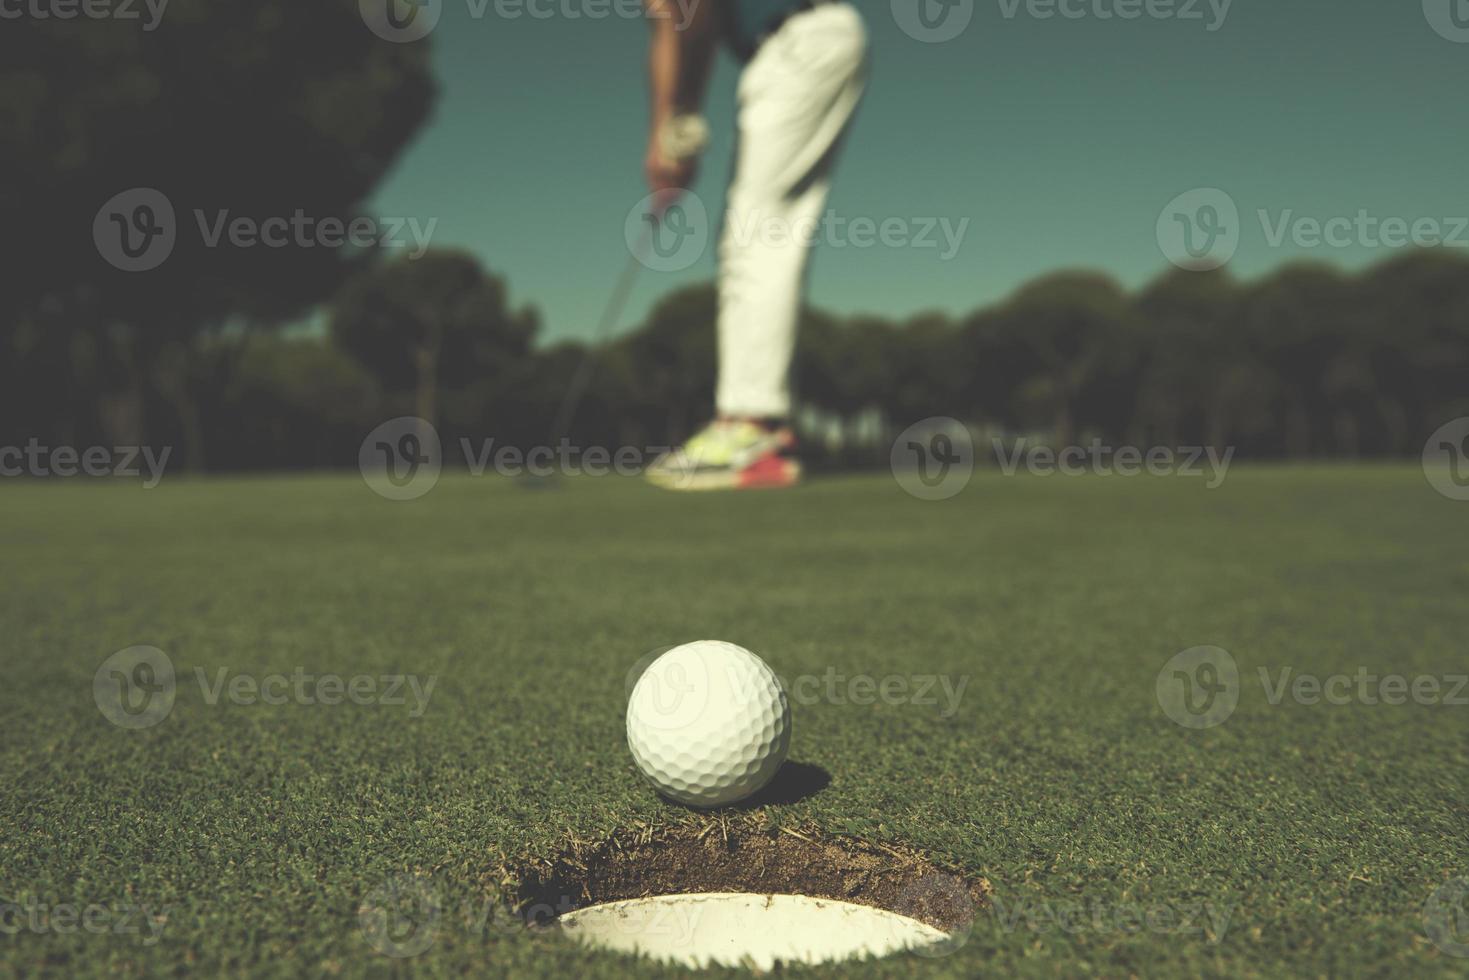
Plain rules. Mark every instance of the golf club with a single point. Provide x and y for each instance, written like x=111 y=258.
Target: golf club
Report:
x=582 y=376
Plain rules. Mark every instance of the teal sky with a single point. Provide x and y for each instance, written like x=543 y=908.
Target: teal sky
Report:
x=1059 y=139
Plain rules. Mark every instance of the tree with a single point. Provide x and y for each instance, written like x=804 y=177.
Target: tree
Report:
x=419 y=323
x=992 y=354
x=1296 y=319
x=1416 y=309
x=291 y=402
x=263 y=110
x=672 y=356
x=1071 y=323
x=1200 y=381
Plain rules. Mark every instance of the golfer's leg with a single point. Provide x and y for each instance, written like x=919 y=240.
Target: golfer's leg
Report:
x=796 y=98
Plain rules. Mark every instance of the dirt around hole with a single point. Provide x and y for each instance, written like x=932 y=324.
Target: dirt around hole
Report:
x=712 y=854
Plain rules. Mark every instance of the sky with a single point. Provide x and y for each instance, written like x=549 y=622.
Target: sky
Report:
x=1042 y=134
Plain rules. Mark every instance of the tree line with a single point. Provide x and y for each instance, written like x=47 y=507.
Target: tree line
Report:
x=1307 y=362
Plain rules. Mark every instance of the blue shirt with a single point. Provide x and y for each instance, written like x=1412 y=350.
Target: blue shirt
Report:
x=747 y=20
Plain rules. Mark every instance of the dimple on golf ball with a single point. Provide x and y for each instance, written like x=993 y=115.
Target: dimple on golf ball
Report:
x=708 y=723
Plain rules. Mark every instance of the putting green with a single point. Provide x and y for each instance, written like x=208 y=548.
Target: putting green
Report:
x=387 y=705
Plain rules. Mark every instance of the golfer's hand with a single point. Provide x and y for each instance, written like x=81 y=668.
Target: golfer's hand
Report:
x=667 y=179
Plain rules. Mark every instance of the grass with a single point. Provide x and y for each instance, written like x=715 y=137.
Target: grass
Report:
x=1312 y=835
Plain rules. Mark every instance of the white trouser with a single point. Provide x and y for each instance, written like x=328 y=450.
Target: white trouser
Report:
x=796 y=97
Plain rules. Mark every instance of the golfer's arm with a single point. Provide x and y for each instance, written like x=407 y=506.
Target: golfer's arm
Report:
x=681 y=54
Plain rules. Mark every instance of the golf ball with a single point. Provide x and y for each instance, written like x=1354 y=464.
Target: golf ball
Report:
x=708 y=723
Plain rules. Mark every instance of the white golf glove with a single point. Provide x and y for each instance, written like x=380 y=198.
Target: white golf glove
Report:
x=683 y=136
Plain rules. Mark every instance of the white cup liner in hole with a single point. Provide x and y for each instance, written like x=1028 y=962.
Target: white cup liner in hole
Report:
x=743 y=929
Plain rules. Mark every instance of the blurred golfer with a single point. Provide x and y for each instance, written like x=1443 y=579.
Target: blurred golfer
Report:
x=804 y=70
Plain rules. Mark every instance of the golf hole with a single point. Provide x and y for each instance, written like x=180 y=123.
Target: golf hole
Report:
x=744 y=929
x=736 y=892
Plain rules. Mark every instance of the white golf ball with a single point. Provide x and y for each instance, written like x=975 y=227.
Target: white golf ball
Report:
x=709 y=723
